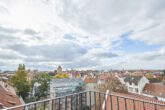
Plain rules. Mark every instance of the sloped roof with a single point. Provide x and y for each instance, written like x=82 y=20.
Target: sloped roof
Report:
x=132 y=79
x=7 y=99
x=155 y=89
x=90 y=80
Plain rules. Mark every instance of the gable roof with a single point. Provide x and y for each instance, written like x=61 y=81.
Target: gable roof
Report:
x=132 y=79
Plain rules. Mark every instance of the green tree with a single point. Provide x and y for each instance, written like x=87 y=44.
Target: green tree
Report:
x=42 y=79
x=149 y=76
x=20 y=82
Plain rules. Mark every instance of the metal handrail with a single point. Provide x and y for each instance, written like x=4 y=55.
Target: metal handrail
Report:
x=135 y=99
x=109 y=94
x=42 y=101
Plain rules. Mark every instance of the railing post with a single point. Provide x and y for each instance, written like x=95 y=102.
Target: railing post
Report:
x=59 y=105
x=105 y=101
x=155 y=107
x=99 y=101
x=76 y=102
x=90 y=99
x=81 y=100
x=66 y=103
x=71 y=102
x=85 y=98
x=133 y=104
x=52 y=104
x=35 y=107
x=143 y=106
x=24 y=108
x=125 y=101
x=111 y=102
x=117 y=102
x=44 y=105
x=95 y=99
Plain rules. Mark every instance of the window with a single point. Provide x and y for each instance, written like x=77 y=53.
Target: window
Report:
x=136 y=90
x=130 y=89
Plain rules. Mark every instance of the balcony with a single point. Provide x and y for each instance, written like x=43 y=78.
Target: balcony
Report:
x=92 y=100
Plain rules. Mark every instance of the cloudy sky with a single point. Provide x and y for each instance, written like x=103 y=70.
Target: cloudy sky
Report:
x=82 y=34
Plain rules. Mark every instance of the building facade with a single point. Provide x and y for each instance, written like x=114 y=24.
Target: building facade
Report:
x=135 y=84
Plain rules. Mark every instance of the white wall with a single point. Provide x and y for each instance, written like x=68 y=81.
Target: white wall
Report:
x=142 y=84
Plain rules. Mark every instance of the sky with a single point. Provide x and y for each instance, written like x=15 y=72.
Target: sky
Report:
x=82 y=34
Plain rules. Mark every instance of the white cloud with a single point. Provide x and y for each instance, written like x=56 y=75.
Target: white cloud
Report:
x=39 y=28
x=153 y=35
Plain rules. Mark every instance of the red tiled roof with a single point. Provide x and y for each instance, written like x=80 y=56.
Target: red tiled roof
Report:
x=137 y=104
x=8 y=99
x=103 y=77
x=155 y=89
x=90 y=80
